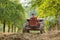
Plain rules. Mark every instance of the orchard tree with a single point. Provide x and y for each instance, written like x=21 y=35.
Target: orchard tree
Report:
x=11 y=13
x=46 y=8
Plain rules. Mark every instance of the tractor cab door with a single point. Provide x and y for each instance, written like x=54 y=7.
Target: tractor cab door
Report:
x=33 y=21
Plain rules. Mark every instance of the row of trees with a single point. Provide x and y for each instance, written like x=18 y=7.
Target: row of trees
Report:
x=11 y=14
x=47 y=8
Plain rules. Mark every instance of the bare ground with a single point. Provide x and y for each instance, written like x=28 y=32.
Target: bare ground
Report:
x=52 y=35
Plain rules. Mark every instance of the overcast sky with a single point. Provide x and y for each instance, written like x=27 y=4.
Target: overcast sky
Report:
x=25 y=2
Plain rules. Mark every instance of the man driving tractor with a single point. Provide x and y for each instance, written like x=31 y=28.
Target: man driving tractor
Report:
x=32 y=15
x=33 y=24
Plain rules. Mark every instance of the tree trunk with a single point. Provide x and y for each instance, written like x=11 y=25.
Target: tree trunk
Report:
x=12 y=28
x=4 y=26
x=8 y=28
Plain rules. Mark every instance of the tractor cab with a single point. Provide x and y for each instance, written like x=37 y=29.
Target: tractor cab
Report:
x=33 y=21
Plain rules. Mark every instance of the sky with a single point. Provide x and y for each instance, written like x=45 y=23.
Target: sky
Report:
x=25 y=2
x=26 y=5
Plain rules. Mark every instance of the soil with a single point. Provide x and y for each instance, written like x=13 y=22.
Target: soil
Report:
x=51 y=35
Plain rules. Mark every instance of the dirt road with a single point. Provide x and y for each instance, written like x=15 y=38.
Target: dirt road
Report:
x=53 y=35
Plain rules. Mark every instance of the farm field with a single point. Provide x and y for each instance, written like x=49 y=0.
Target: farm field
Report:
x=52 y=35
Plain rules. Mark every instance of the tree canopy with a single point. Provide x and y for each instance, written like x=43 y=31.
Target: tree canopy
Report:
x=11 y=13
x=47 y=9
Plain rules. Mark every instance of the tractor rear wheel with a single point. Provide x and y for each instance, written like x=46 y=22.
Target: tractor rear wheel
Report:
x=41 y=31
x=28 y=31
x=24 y=29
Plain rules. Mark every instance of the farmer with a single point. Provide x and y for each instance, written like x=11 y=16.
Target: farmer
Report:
x=33 y=16
x=33 y=20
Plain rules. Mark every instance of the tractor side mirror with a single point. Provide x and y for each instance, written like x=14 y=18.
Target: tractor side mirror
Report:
x=40 y=20
x=28 y=20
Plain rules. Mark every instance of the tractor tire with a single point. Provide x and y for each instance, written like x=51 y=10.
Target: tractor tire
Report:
x=41 y=28
x=28 y=31
x=24 y=29
x=41 y=31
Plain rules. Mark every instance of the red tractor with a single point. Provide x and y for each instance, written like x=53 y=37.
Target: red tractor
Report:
x=33 y=24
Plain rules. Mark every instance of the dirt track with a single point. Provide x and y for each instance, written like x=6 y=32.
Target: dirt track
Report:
x=54 y=35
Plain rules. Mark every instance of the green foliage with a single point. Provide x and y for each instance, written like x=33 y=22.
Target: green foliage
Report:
x=11 y=12
x=46 y=8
